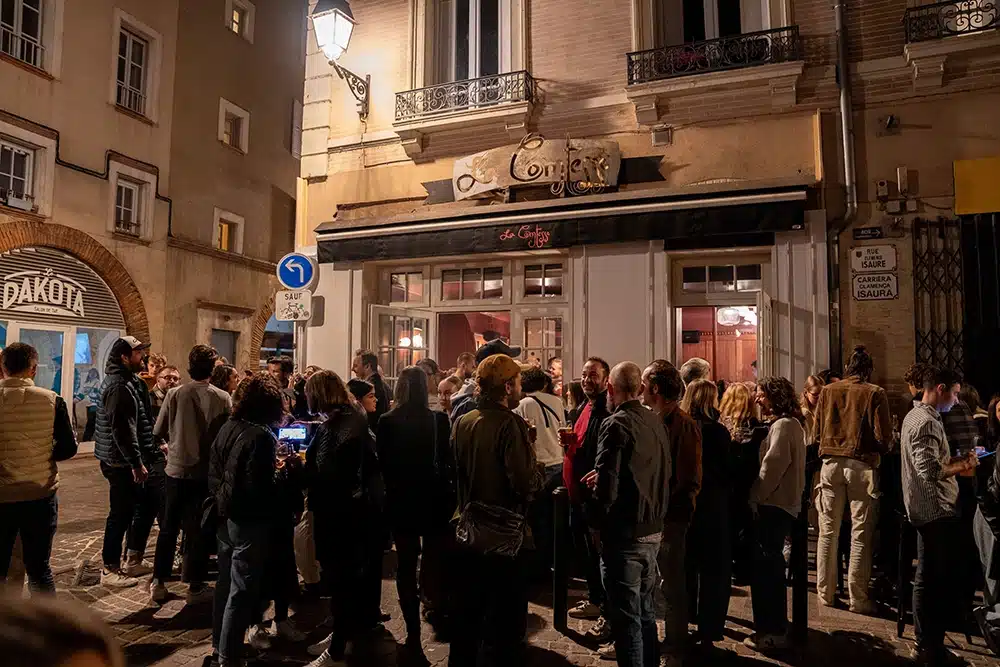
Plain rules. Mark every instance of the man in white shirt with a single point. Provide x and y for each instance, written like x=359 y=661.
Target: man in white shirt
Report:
x=539 y=407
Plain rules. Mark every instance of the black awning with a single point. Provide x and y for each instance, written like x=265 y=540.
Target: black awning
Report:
x=682 y=225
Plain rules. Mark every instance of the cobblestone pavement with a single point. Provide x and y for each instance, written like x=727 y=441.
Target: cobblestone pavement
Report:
x=177 y=635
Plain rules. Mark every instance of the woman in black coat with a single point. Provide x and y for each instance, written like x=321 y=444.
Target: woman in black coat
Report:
x=346 y=498
x=415 y=457
x=709 y=558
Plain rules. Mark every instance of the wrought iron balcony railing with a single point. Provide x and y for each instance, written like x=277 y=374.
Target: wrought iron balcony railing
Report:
x=485 y=91
x=944 y=19
x=715 y=55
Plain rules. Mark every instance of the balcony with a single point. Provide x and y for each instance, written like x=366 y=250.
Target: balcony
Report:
x=500 y=99
x=780 y=45
x=946 y=19
x=755 y=66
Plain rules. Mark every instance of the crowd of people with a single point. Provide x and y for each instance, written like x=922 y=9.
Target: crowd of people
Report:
x=676 y=483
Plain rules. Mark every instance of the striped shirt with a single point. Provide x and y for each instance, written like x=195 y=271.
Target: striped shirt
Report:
x=926 y=493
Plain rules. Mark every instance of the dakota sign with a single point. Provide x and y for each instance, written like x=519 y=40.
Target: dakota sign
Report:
x=875 y=286
x=538 y=161
x=871 y=258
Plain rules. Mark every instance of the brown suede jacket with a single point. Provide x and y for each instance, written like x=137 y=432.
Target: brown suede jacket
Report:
x=852 y=420
x=684 y=436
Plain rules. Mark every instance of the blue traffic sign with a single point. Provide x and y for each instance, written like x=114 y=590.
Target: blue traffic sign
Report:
x=296 y=271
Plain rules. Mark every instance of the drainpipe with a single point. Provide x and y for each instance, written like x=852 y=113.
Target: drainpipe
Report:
x=850 y=180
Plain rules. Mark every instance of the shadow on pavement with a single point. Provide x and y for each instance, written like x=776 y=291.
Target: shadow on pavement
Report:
x=147 y=654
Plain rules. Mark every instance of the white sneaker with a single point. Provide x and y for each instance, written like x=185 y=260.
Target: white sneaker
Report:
x=585 y=610
x=600 y=631
x=286 y=630
x=324 y=660
x=115 y=579
x=138 y=568
x=607 y=652
x=320 y=647
x=766 y=642
x=258 y=638
x=201 y=595
x=157 y=591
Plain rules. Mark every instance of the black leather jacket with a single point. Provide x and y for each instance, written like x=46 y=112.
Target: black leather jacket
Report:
x=586 y=455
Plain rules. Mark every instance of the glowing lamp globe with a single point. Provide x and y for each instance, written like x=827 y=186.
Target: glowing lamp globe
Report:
x=333 y=23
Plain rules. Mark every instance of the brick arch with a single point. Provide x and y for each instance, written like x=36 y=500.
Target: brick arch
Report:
x=24 y=233
x=257 y=333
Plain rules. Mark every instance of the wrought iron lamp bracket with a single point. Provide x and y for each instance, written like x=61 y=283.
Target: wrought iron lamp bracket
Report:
x=360 y=87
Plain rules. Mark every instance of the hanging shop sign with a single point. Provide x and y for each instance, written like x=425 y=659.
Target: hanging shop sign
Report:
x=293 y=305
x=45 y=285
x=875 y=286
x=871 y=258
x=567 y=166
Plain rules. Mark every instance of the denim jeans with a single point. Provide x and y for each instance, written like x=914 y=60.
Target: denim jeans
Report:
x=841 y=479
x=35 y=520
x=630 y=576
x=767 y=590
x=132 y=509
x=242 y=552
x=183 y=501
x=934 y=584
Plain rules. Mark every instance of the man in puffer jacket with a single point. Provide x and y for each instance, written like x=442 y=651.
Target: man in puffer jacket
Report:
x=130 y=461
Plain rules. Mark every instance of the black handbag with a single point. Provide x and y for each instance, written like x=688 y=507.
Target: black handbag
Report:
x=490 y=529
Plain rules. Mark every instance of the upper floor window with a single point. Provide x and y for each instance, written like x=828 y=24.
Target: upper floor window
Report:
x=466 y=284
x=15 y=172
x=234 y=126
x=469 y=40
x=240 y=18
x=228 y=231
x=682 y=21
x=133 y=63
x=128 y=202
x=21 y=30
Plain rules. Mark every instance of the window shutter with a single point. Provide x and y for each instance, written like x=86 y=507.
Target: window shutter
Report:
x=297 y=129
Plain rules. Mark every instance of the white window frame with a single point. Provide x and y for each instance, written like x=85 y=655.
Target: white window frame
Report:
x=43 y=163
x=154 y=59
x=506 y=294
x=227 y=108
x=125 y=184
x=16 y=36
x=545 y=260
x=29 y=177
x=426 y=53
x=646 y=34
x=249 y=14
x=146 y=182
x=51 y=38
x=222 y=216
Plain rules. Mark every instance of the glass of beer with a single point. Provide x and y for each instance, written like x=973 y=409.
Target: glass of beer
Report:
x=567 y=436
x=532 y=431
x=281 y=452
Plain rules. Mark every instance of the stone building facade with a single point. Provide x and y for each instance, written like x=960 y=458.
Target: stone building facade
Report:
x=149 y=149
x=726 y=119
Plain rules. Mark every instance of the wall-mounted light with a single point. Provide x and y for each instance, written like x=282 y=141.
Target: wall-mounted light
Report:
x=333 y=22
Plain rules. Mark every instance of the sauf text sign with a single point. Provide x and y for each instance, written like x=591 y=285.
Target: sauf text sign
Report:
x=873 y=258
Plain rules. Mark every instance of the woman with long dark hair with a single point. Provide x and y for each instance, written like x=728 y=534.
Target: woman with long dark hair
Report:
x=709 y=561
x=226 y=378
x=776 y=499
x=241 y=479
x=417 y=467
x=346 y=497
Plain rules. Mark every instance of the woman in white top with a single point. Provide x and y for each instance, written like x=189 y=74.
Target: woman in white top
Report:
x=545 y=410
x=776 y=499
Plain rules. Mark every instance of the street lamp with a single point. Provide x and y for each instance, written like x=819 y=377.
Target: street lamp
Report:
x=333 y=23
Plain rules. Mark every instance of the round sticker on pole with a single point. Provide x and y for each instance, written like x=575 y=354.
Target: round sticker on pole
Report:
x=296 y=271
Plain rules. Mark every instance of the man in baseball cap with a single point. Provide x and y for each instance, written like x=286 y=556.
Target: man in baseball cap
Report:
x=130 y=461
x=496 y=467
x=497 y=346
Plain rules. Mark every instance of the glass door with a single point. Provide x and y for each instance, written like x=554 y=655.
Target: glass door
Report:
x=400 y=337
x=55 y=355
